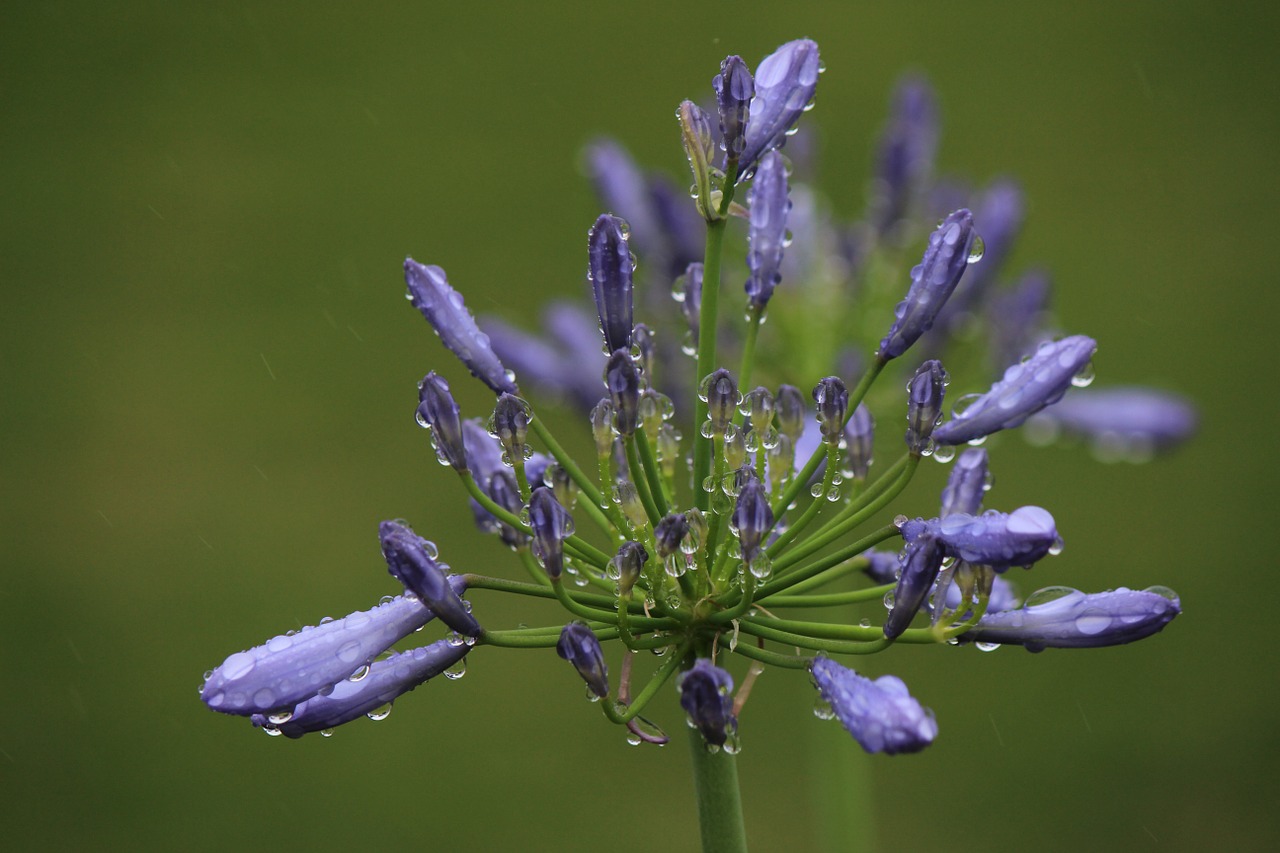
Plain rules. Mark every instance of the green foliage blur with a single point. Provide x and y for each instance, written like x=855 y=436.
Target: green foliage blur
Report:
x=208 y=383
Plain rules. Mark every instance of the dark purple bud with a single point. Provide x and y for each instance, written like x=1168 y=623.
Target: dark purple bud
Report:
x=881 y=715
x=438 y=412
x=705 y=696
x=1017 y=318
x=734 y=91
x=505 y=492
x=859 y=439
x=792 y=411
x=1062 y=618
x=1026 y=388
x=919 y=565
x=949 y=253
x=627 y=565
x=752 y=518
x=580 y=647
x=381 y=685
x=924 y=405
x=998 y=539
x=832 y=398
x=609 y=271
x=290 y=668
x=621 y=186
x=767 y=234
x=510 y=425
x=623 y=381
x=412 y=561
x=907 y=151
x=669 y=533
x=1121 y=423
x=687 y=290
x=968 y=482
x=720 y=390
x=551 y=524
x=430 y=293
x=785 y=82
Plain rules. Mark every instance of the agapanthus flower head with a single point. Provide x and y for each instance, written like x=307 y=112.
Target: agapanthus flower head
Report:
x=768 y=232
x=734 y=90
x=609 y=272
x=881 y=715
x=412 y=561
x=1026 y=388
x=705 y=695
x=1064 y=618
x=430 y=293
x=924 y=405
x=579 y=646
x=785 y=82
x=438 y=411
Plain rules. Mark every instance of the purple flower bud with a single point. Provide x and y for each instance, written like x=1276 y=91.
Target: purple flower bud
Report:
x=791 y=410
x=430 y=293
x=967 y=484
x=924 y=405
x=734 y=91
x=920 y=562
x=289 y=668
x=411 y=560
x=832 y=398
x=881 y=715
x=882 y=566
x=1026 y=388
x=510 y=425
x=623 y=381
x=1017 y=318
x=906 y=151
x=505 y=492
x=768 y=230
x=385 y=680
x=859 y=439
x=622 y=188
x=609 y=271
x=752 y=518
x=484 y=454
x=669 y=533
x=551 y=524
x=785 y=82
x=580 y=647
x=1122 y=421
x=1063 y=618
x=946 y=257
x=720 y=390
x=705 y=696
x=997 y=539
x=626 y=566
x=438 y=412
x=543 y=366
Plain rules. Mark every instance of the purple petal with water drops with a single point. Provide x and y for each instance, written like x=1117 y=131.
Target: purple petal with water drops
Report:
x=1064 y=618
x=785 y=82
x=881 y=715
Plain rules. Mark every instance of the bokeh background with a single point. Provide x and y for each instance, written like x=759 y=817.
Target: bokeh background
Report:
x=208 y=377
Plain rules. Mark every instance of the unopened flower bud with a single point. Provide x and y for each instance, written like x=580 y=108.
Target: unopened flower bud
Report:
x=551 y=524
x=579 y=646
x=767 y=233
x=785 y=82
x=720 y=390
x=438 y=411
x=734 y=91
x=628 y=563
x=967 y=483
x=623 y=382
x=669 y=533
x=859 y=439
x=1062 y=618
x=792 y=411
x=832 y=398
x=919 y=565
x=752 y=518
x=881 y=715
x=705 y=695
x=609 y=271
x=510 y=425
x=924 y=405
x=411 y=560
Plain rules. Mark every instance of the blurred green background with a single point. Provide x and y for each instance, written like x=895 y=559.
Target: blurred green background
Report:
x=208 y=378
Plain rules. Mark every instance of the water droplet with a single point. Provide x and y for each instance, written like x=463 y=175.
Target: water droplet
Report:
x=1084 y=378
x=272 y=731
x=1093 y=623
x=326 y=733
x=986 y=647
x=976 y=250
x=359 y=674
x=277 y=718
x=1056 y=548
x=944 y=453
x=456 y=671
x=822 y=709
x=380 y=713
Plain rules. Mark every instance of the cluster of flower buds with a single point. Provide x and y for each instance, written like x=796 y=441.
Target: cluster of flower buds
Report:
x=701 y=549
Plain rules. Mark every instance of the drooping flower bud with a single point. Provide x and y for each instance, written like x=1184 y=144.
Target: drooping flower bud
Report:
x=919 y=565
x=705 y=696
x=627 y=565
x=881 y=715
x=720 y=390
x=623 y=381
x=579 y=646
x=767 y=233
x=1026 y=388
x=832 y=398
x=1063 y=618
x=785 y=82
x=734 y=91
x=438 y=411
x=382 y=684
x=669 y=533
x=949 y=253
x=924 y=405
x=510 y=425
x=551 y=524
x=859 y=439
x=792 y=411
x=609 y=271
x=430 y=293
x=412 y=561
x=968 y=482
x=752 y=519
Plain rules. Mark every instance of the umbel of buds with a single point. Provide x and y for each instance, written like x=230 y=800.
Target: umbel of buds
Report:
x=716 y=505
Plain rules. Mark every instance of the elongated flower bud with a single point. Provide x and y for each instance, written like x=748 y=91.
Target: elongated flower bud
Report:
x=768 y=230
x=967 y=483
x=438 y=411
x=510 y=425
x=907 y=150
x=920 y=562
x=859 y=439
x=289 y=668
x=623 y=381
x=1062 y=618
x=734 y=91
x=791 y=410
x=924 y=405
x=705 y=696
x=627 y=565
x=669 y=533
x=695 y=136
x=580 y=647
x=932 y=282
x=551 y=524
x=752 y=518
x=430 y=293
x=411 y=560
x=720 y=390
x=609 y=271
x=785 y=82
x=832 y=398
x=1121 y=421
x=993 y=539
x=385 y=681
x=1026 y=388
x=622 y=188
x=881 y=715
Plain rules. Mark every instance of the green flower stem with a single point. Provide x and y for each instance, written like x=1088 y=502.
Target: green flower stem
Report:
x=754 y=317
x=815 y=506
x=863 y=498
x=823 y=630
x=657 y=484
x=739 y=609
x=778 y=584
x=713 y=527
x=831 y=599
x=595 y=501
x=573 y=544
x=707 y=353
x=521 y=640
x=586 y=598
x=772 y=658
x=640 y=477
x=636 y=705
x=806 y=473
x=826 y=576
x=715 y=784
x=522 y=479
x=531 y=566
x=790 y=638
